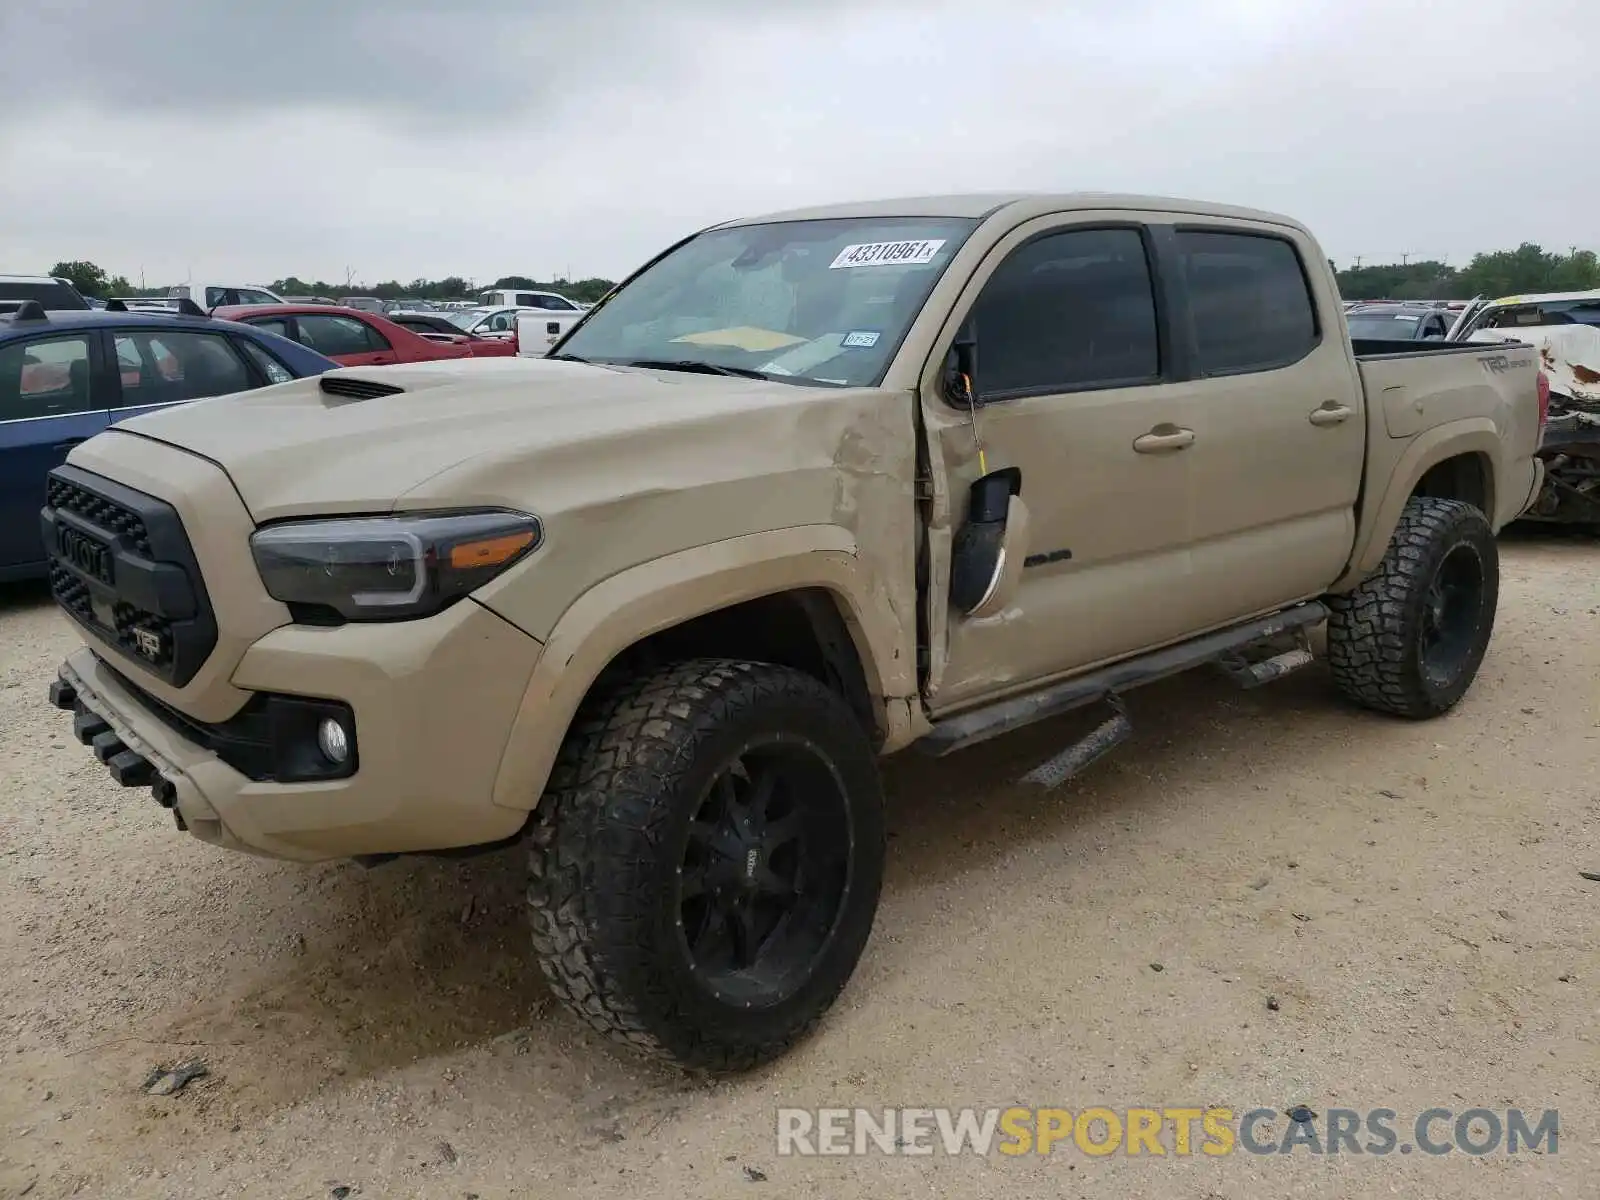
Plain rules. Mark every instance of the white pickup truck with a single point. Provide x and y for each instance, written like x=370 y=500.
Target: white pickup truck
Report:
x=540 y=328
x=216 y=295
x=1564 y=327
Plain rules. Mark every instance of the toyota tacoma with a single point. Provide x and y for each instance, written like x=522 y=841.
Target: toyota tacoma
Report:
x=806 y=490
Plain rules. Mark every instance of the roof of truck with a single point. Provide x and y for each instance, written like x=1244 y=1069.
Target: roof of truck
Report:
x=1544 y=297
x=982 y=204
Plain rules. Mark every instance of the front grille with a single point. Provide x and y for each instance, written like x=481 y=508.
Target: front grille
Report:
x=97 y=510
x=121 y=566
x=357 y=389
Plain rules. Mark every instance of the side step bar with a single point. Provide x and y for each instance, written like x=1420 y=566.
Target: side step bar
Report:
x=992 y=720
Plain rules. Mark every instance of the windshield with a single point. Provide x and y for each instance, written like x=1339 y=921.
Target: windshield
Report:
x=54 y=297
x=466 y=318
x=1393 y=326
x=824 y=301
x=1549 y=312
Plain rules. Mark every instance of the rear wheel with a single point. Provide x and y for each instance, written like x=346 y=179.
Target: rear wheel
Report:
x=1409 y=640
x=706 y=863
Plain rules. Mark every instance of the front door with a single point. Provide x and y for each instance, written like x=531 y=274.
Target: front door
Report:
x=346 y=340
x=1071 y=381
x=51 y=398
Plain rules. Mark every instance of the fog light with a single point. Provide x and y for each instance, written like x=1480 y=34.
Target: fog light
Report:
x=333 y=741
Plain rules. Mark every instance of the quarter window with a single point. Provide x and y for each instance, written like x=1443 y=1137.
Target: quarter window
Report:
x=1251 y=303
x=1068 y=311
x=274 y=370
x=277 y=325
x=45 y=379
x=169 y=367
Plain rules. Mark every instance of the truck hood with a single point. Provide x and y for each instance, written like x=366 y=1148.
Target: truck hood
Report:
x=295 y=449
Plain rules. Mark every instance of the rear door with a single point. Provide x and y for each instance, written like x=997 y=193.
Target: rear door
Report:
x=1279 y=432
x=53 y=395
x=161 y=367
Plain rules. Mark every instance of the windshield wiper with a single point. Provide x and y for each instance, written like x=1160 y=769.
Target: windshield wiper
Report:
x=694 y=364
x=567 y=357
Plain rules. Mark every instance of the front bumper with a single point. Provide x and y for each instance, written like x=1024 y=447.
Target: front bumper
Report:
x=433 y=704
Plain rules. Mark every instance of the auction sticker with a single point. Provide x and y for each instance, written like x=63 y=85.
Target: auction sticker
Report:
x=888 y=254
x=860 y=338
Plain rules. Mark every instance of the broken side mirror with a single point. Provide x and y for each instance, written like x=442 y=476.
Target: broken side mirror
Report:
x=987 y=555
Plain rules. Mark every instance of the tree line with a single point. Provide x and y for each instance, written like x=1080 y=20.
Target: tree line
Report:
x=93 y=280
x=1528 y=268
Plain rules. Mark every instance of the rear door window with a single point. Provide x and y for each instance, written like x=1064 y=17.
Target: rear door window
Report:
x=47 y=377
x=171 y=366
x=1250 y=301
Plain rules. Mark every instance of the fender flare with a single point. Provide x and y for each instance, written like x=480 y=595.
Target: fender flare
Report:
x=633 y=604
x=1476 y=435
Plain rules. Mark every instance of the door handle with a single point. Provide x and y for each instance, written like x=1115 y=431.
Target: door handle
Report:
x=70 y=443
x=1331 y=413
x=379 y=360
x=1162 y=439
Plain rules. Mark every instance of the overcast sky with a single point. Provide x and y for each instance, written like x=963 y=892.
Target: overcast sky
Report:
x=223 y=139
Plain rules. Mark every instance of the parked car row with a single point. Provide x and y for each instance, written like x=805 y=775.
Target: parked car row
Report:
x=58 y=386
x=67 y=375
x=353 y=338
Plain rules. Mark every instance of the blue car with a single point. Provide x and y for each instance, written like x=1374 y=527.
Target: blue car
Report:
x=65 y=376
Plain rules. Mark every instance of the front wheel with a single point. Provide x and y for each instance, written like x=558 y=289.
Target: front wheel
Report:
x=706 y=862
x=1409 y=640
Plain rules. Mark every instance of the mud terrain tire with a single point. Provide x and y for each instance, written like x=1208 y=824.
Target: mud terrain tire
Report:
x=706 y=861
x=1409 y=640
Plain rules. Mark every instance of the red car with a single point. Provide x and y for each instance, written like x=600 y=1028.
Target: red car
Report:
x=353 y=338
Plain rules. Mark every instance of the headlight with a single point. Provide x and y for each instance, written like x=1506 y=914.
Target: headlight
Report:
x=389 y=568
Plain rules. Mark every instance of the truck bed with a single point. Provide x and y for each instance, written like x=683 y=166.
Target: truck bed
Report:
x=1411 y=387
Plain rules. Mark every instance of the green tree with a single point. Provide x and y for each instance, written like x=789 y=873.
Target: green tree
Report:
x=85 y=276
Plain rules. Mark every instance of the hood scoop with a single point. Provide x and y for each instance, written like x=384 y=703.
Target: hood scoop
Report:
x=347 y=388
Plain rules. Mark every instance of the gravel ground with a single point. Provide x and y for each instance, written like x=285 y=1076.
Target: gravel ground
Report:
x=1408 y=896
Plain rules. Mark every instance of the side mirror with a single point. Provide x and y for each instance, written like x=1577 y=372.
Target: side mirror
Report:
x=979 y=563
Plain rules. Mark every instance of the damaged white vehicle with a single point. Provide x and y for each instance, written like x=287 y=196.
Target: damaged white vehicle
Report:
x=1565 y=328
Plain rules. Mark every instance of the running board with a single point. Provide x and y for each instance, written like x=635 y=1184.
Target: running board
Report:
x=992 y=720
x=1100 y=741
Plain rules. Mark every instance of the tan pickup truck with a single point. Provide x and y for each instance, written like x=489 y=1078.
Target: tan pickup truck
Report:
x=806 y=490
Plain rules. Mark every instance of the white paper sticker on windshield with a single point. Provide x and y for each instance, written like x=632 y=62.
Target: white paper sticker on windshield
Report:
x=888 y=254
x=863 y=338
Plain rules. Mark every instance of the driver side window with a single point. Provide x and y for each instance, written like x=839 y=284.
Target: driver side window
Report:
x=1066 y=312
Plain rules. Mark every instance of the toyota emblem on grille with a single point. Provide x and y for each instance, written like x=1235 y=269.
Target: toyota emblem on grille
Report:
x=149 y=643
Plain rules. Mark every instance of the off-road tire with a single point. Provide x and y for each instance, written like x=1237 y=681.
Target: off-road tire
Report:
x=1375 y=632
x=641 y=754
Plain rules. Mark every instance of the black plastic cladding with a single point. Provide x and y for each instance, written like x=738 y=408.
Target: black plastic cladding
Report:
x=271 y=739
x=156 y=587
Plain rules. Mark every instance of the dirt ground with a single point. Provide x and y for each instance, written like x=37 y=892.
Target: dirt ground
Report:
x=1408 y=894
